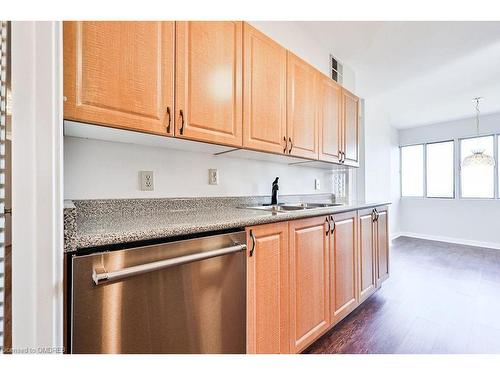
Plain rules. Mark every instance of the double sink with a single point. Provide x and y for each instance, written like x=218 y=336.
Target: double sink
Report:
x=287 y=207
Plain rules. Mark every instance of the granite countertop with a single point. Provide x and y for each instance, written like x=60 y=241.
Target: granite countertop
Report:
x=93 y=223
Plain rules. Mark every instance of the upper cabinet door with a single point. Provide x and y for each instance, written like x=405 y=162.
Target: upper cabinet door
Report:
x=264 y=95
x=367 y=254
x=267 y=289
x=350 y=106
x=209 y=81
x=344 y=263
x=309 y=281
x=120 y=74
x=382 y=226
x=302 y=121
x=329 y=119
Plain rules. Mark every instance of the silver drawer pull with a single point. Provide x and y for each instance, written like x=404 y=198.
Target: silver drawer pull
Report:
x=101 y=276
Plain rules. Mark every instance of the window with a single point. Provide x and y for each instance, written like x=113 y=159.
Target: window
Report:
x=439 y=170
x=477 y=181
x=412 y=171
x=436 y=161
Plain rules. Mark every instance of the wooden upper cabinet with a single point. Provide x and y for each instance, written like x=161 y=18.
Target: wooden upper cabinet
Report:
x=302 y=121
x=264 y=92
x=343 y=271
x=232 y=86
x=120 y=74
x=329 y=119
x=209 y=81
x=267 y=289
x=309 y=281
x=382 y=238
x=350 y=109
x=367 y=254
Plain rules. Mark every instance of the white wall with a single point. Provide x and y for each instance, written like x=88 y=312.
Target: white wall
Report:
x=37 y=198
x=99 y=169
x=95 y=169
x=292 y=36
x=469 y=221
x=395 y=218
x=451 y=129
x=381 y=159
x=466 y=221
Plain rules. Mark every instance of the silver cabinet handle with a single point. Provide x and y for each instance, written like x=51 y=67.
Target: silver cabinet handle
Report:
x=329 y=226
x=333 y=226
x=286 y=145
x=101 y=276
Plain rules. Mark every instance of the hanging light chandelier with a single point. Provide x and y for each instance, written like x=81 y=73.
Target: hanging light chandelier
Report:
x=478 y=157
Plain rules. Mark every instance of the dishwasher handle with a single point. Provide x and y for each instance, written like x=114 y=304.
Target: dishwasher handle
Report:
x=102 y=276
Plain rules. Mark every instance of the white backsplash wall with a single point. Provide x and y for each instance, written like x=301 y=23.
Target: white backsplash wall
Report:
x=102 y=170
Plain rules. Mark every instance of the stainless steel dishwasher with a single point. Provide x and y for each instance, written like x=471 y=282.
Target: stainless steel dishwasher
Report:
x=179 y=297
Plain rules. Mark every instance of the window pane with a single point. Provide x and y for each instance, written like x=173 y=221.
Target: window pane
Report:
x=477 y=181
x=440 y=169
x=412 y=171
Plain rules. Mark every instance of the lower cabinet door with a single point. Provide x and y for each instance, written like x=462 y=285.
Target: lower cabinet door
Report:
x=309 y=281
x=267 y=289
x=367 y=254
x=343 y=266
x=382 y=236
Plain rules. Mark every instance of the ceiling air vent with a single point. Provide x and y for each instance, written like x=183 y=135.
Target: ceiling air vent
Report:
x=336 y=69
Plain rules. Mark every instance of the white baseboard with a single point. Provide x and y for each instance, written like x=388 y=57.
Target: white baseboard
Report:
x=395 y=235
x=459 y=241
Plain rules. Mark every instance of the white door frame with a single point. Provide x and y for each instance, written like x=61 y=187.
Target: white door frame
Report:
x=37 y=188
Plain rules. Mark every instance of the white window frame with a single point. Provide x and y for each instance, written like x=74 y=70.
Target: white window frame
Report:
x=454 y=169
x=401 y=172
x=457 y=172
x=495 y=169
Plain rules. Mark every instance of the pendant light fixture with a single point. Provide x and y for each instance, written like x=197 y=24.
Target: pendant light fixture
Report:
x=478 y=157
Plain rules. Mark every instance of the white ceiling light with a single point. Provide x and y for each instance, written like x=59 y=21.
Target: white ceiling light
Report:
x=478 y=157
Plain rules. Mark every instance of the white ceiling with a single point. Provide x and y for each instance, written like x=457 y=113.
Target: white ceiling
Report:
x=424 y=72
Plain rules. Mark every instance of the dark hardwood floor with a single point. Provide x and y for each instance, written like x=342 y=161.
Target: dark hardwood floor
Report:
x=440 y=298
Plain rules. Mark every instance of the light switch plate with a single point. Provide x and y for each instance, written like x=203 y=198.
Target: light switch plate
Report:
x=213 y=177
x=317 y=185
x=147 y=183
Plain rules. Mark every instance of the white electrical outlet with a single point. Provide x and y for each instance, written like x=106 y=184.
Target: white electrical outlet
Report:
x=213 y=177
x=317 y=185
x=147 y=183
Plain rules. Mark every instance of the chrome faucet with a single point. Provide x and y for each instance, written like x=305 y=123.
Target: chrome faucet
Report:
x=274 y=196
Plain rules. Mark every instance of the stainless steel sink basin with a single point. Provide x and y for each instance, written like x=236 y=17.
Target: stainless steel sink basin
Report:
x=287 y=207
x=275 y=208
x=314 y=205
